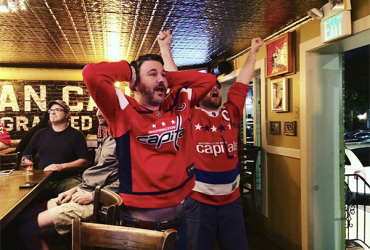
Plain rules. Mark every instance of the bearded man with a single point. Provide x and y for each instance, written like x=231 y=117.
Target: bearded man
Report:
x=152 y=132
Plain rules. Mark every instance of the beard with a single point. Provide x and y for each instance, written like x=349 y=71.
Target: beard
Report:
x=149 y=94
x=213 y=103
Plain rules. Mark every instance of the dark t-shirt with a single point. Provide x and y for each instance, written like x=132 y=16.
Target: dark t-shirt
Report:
x=58 y=147
x=28 y=136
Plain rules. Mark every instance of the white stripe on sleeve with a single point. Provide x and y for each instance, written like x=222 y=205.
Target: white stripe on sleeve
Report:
x=189 y=91
x=122 y=99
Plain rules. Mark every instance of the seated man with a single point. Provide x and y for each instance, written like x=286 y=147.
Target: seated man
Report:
x=62 y=149
x=38 y=223
x=4 y=138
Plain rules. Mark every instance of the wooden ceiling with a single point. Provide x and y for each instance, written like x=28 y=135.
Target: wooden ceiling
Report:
x=73 y=33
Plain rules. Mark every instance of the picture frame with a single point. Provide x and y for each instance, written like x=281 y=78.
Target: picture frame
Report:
x=290 y=128
x=280 y=56
x=279 y=95
x=275 y=127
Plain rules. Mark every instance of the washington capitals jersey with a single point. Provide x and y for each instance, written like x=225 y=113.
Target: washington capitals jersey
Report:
x=153 y=147
x=215 y=137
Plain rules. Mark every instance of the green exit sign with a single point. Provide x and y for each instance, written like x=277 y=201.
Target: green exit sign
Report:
x=336 y=26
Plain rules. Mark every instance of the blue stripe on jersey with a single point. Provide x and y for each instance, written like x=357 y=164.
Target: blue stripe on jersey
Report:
x=224 y=177
x=174 y=101
x=123 y=154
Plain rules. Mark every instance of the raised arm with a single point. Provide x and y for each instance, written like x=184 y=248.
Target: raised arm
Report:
x=239 y=90
x=246 y=72
x=99 y=79
x=199 y=84
x=164 y=41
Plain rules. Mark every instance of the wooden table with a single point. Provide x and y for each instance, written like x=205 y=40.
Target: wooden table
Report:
x=13 y=199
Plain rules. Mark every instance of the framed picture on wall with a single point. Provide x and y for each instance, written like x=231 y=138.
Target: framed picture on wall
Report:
x=280 y=56
x=290 y=128
x=279 y=95
x=275 y=127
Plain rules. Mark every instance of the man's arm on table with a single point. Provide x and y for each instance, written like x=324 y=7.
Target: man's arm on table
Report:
x=3 y=145
x=73 y=165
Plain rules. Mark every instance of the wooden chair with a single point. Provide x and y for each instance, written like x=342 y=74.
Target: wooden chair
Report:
x=247 y=163
x=10 y=161
x=107 y=207
x=119 y=237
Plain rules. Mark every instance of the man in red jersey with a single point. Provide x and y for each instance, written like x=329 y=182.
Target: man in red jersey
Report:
x=5 y=140
x=214 y=210
x=152 y=132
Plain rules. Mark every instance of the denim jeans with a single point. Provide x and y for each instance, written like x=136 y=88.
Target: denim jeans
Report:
x=181 y=237
x=209 y=223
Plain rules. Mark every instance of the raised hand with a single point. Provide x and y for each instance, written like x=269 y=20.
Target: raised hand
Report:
x=256 y=44
x=164 y=39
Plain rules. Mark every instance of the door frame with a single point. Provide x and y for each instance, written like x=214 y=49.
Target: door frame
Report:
x=360 y=37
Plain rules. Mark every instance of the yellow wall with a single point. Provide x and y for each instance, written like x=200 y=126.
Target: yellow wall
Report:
x=283 y=223
x=284 y=189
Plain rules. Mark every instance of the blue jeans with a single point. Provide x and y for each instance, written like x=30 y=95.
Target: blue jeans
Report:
x=181 y=236
x=209 y=223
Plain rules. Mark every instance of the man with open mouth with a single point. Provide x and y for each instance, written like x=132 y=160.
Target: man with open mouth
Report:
x=152 y=132
x=214 y=210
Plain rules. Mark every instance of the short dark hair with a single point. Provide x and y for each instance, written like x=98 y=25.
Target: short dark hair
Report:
x=218 y=84
x=148 y=57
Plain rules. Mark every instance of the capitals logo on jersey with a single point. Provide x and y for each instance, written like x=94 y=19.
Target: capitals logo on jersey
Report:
x=164 y=135
x=225 y=115
x=181 y=107
x=215 y=148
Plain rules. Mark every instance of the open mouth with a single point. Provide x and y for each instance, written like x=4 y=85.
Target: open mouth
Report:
x=160 y=89
x=214 y=94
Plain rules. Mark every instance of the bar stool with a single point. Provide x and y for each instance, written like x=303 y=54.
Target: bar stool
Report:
x=247 y=164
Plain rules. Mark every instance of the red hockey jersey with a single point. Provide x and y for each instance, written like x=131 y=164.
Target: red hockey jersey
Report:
x=4 y=136
x=153 y=147
x=215 y=137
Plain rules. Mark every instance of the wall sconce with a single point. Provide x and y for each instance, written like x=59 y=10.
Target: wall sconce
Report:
x=331 y=8
x=339 y=5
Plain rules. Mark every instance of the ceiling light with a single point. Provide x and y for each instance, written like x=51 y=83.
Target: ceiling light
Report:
x=4 y=6
x=12 y=5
